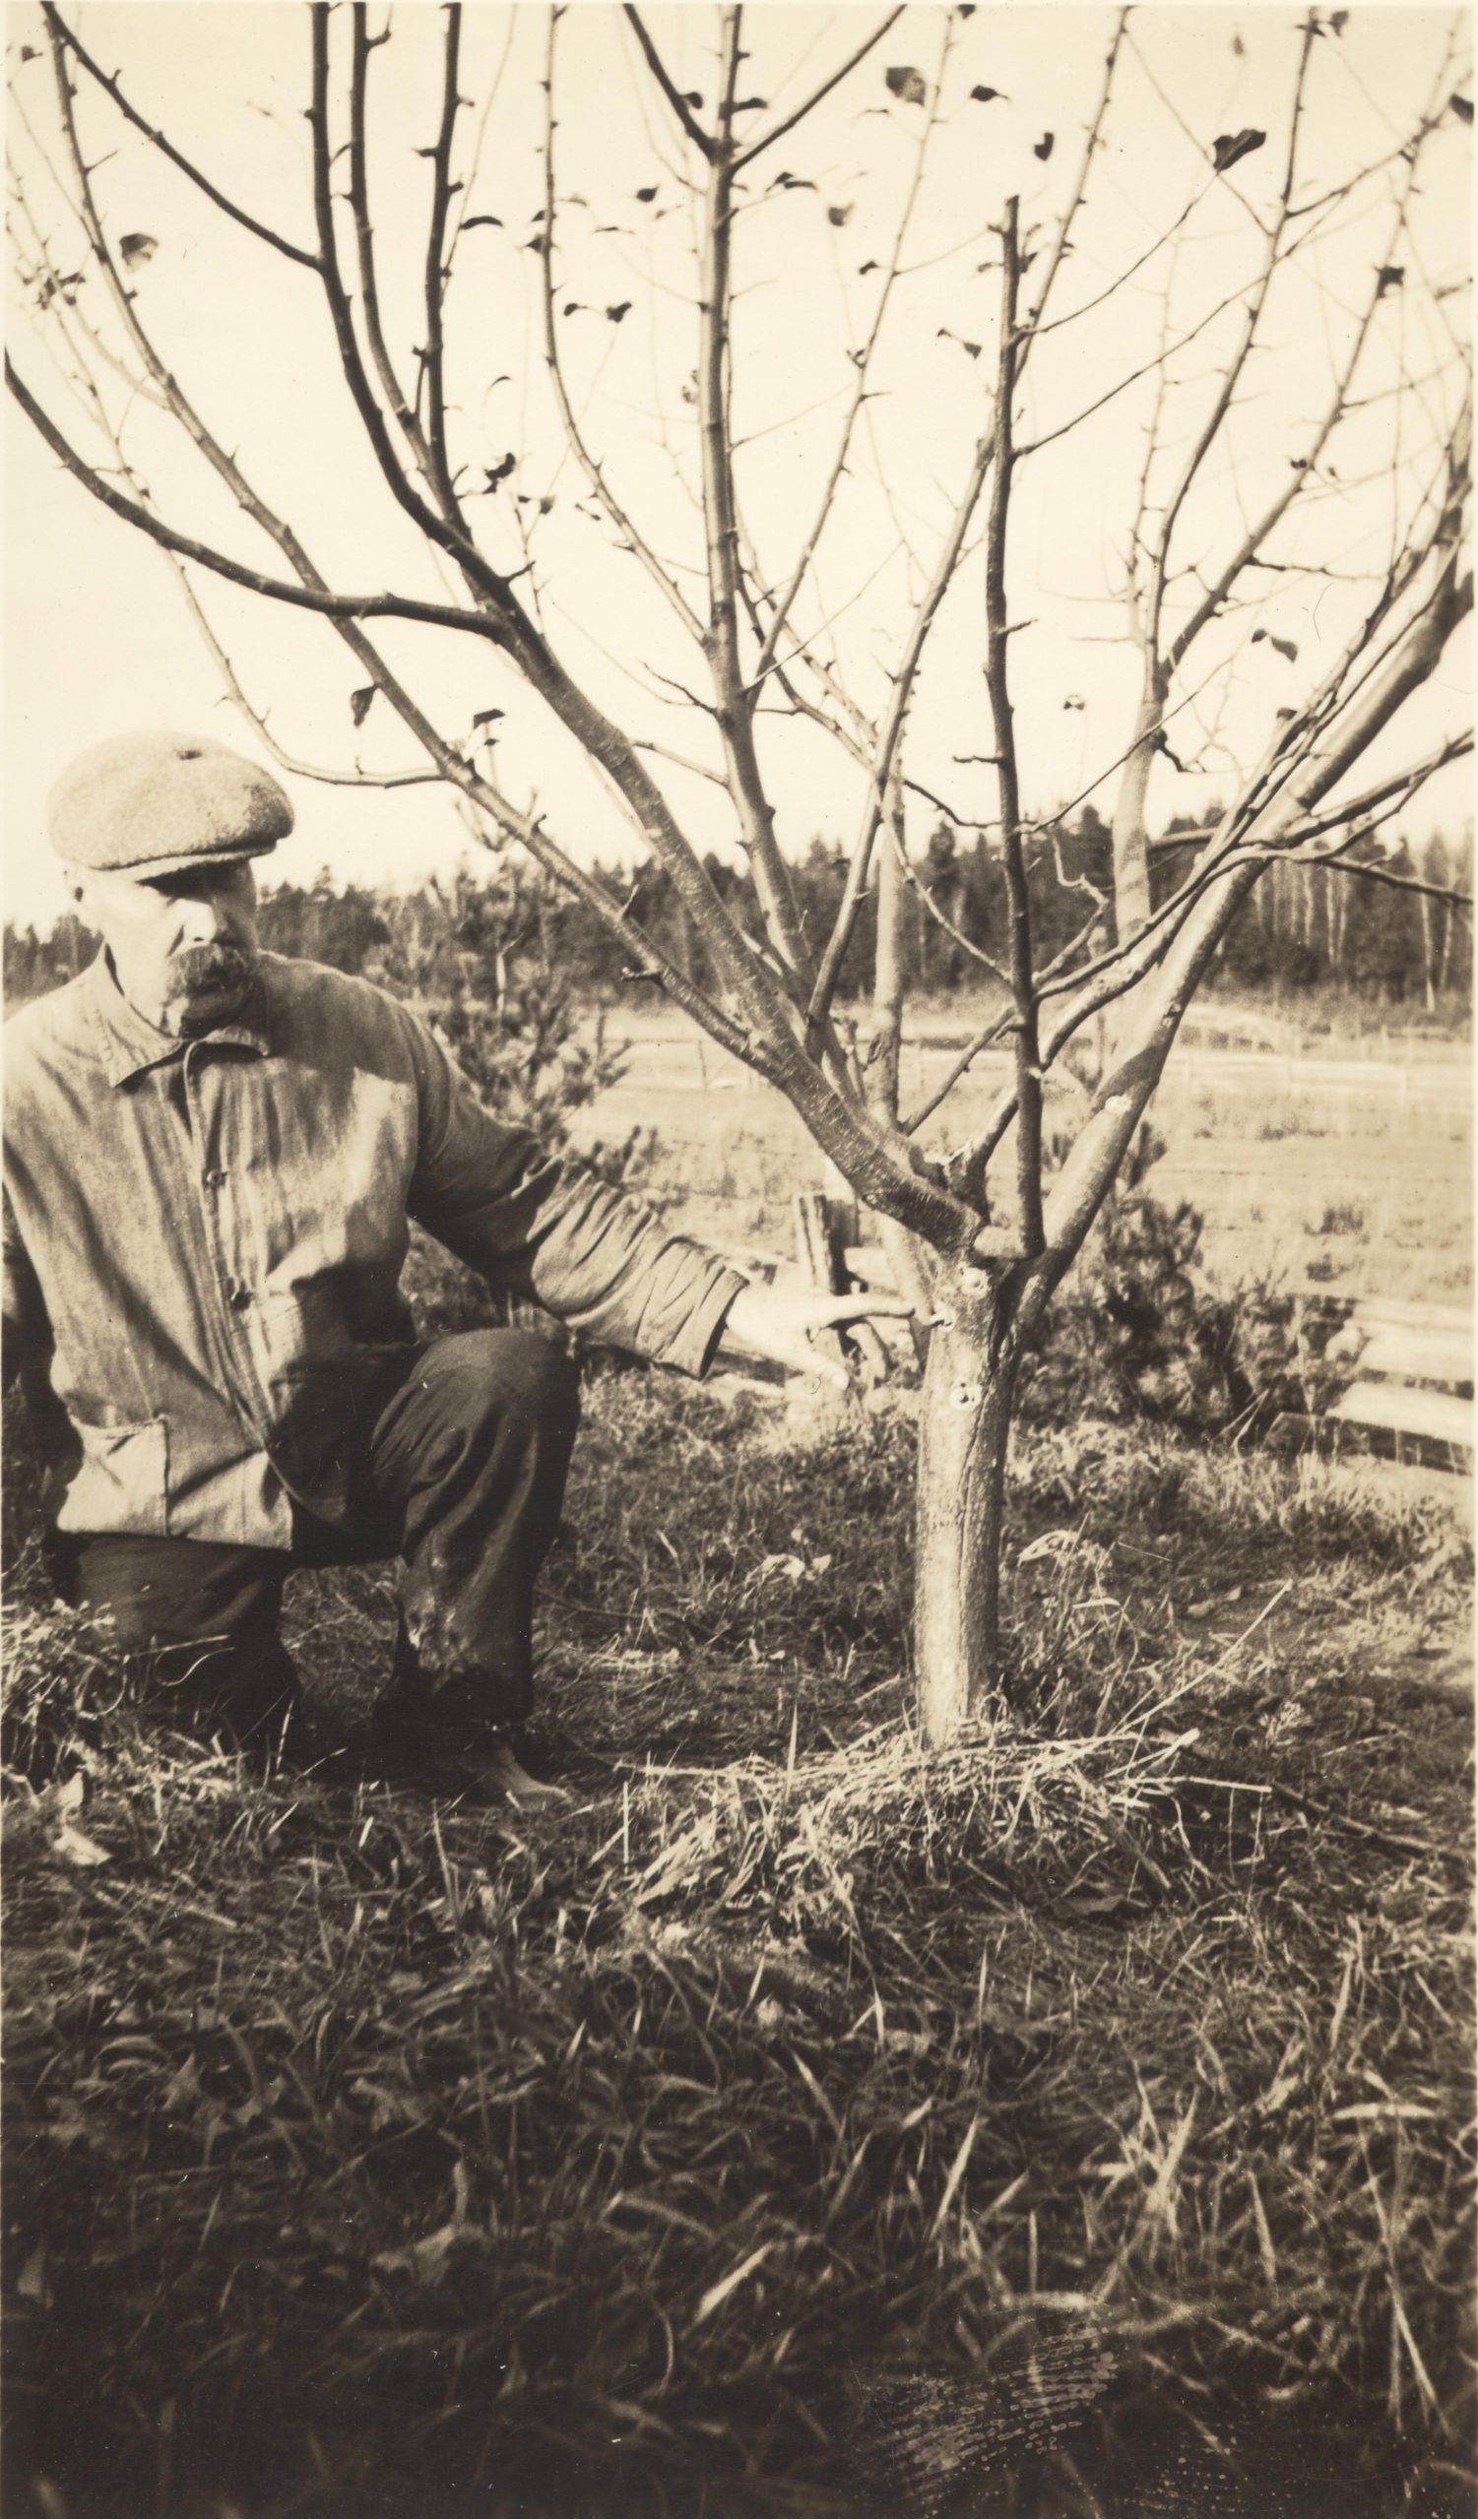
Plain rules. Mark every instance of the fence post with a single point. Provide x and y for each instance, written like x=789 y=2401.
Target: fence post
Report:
x=823 y=1266
x=841 y=1212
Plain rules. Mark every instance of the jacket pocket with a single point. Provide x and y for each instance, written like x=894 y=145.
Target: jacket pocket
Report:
x=122 y=1483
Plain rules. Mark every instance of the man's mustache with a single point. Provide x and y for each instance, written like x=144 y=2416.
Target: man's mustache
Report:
x=197 y=969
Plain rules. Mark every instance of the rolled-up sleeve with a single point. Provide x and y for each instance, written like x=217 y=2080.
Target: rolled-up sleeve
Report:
x=540 y=1226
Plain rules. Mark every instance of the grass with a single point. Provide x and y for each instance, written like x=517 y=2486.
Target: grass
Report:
x=1077 y=2122
x=1400 y=1163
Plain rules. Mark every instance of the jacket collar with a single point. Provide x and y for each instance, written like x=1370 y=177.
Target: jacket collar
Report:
x=129 y=1045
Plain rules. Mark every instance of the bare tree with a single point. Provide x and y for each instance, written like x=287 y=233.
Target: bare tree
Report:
x=1266 y=488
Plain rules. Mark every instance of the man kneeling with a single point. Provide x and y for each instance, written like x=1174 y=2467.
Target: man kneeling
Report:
x=212 y=1159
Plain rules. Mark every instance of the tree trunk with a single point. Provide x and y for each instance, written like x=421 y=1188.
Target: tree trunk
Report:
x=1447 y=947
x=1131 y=890
x=964 y=1423
x=885 y=1049
x=1428 y=950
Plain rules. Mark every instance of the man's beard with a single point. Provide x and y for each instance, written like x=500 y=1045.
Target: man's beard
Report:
x=206 y=983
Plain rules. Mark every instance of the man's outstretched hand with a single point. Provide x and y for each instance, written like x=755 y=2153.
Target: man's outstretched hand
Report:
x=780 y=1322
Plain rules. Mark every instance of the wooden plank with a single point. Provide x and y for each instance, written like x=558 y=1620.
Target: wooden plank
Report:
x=1436 y=1415
x=817 y=1254
x=1394 y=1310
x=840 y=1204
x=1428 y=1342
x=819 y=1259
x=1294 y=1433
x=1422 y=1321
x=870 y=1265
x=1418 y=1356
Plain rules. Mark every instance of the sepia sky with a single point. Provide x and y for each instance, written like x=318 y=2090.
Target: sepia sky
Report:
x=98 y=639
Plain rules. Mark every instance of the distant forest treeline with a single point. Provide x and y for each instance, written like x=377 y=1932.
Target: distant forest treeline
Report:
x=1303 y=930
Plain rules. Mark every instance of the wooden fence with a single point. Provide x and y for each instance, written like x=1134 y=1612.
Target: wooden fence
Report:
x=1386 y=1375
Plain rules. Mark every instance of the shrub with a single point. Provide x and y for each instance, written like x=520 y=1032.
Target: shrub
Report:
x=1140 y=1332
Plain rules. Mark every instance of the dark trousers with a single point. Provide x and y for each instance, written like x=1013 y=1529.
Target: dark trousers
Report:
x=464 y=1452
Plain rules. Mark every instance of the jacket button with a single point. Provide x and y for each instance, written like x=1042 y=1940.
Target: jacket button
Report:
x=214 y=1180
x=241 y=1299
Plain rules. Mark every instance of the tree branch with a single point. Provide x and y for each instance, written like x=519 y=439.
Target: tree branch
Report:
x=768 y=139
x=679 y=102
x=1256 y=534
x=765 y=1005
x=1374 y=875
x=863 y=360
x=1122 y=383
x=436 y=277
x=1034 y=326
x=1118 y=1105
x=767 y=1011
x=309 y=598
x=926 y=1110
x=733 y=706
x=167 y=148
x=594 y=474
x=358 y=195
x=1229 y=379
x=1003 y=725
x=1272 y=815
x=890 y=732
x=940 y=916
x=356 y=778
x=447 y=532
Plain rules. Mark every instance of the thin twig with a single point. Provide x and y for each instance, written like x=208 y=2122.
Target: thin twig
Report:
x=359 y=195
x=733 y=703
x=940 y=916
x=863 y=360
x=890 y=730
x=432 y=377
x=1004 y=734
x=679 y=102
x=1034 y=326
x=308 y=597
x=768 y=139
x=593 y=471
x=447 y=532
x=1182 y=934
x=166 y=148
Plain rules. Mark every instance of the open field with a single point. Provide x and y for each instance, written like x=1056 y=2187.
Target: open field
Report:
x=1349 y=1161
x=1079 y=2123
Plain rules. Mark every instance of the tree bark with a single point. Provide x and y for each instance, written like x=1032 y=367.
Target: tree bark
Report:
x=1131 y=894
x=1428 y=950
x=964 y=1426
x=889 y=978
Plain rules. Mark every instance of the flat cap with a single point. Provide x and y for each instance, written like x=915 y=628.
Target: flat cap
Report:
x=156 y=804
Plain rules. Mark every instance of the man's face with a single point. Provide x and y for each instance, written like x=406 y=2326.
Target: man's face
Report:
x=183 y=947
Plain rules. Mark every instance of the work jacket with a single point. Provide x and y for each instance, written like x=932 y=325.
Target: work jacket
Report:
x=204 y=1242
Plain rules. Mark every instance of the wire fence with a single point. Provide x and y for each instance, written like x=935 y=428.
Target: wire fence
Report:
x=690 y=1064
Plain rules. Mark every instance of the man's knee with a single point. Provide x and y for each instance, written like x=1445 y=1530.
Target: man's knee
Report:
x=491 y=1375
